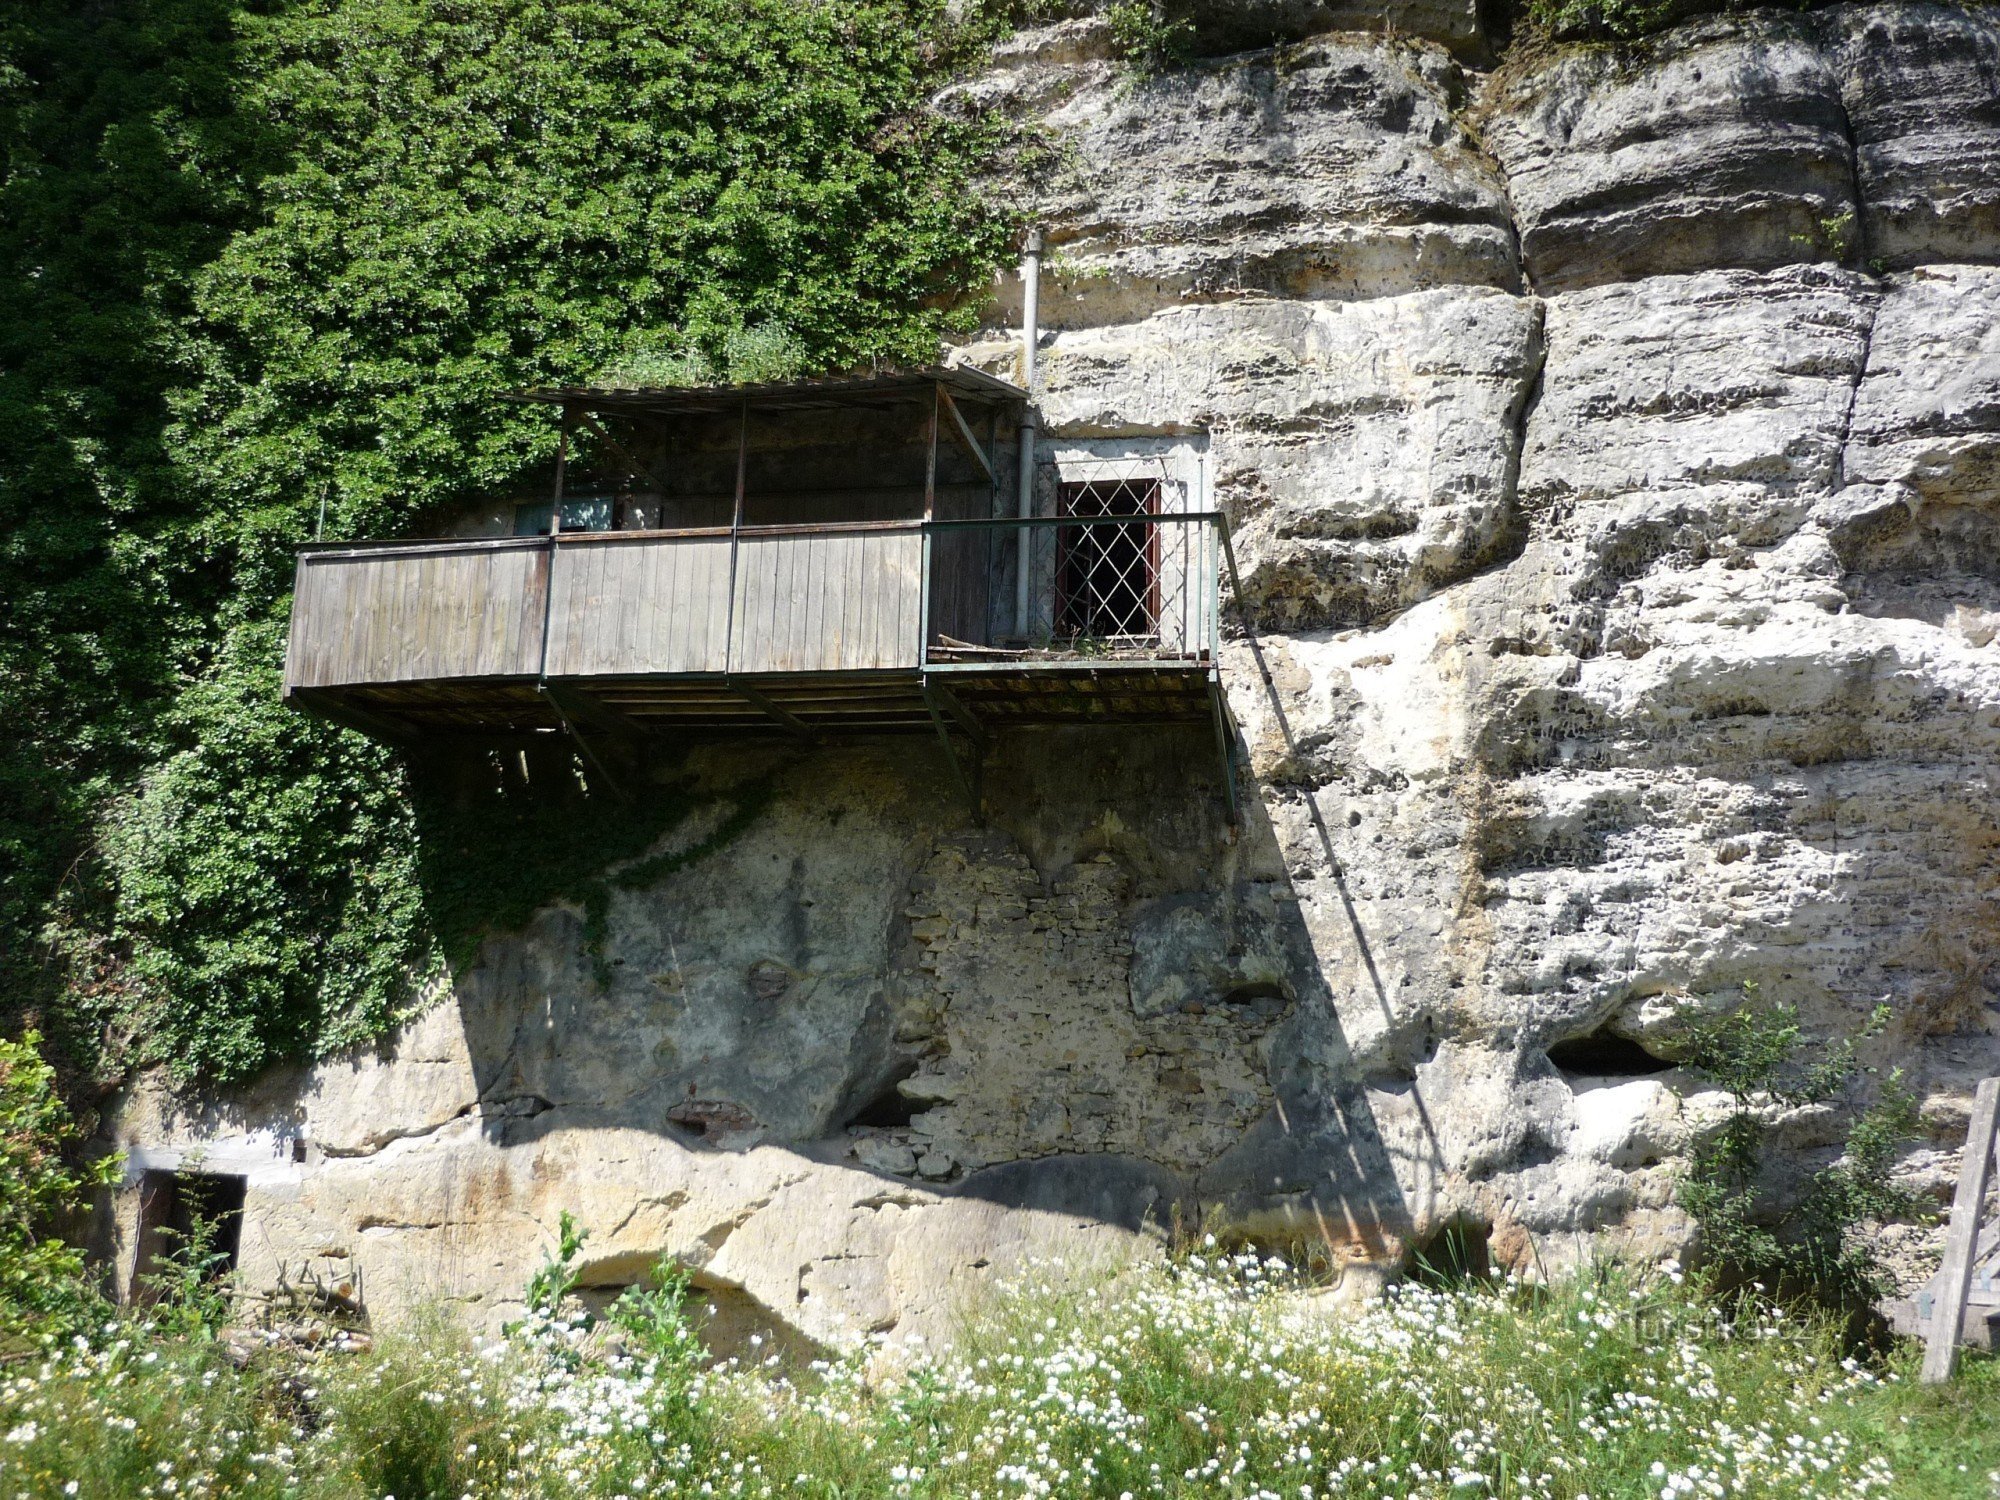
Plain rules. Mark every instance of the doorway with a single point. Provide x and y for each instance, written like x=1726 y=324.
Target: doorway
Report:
x=1108 y=574
x=171 y=1206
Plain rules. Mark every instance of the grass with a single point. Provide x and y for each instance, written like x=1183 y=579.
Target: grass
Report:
x=1943 y=1442
x=1218 y=1377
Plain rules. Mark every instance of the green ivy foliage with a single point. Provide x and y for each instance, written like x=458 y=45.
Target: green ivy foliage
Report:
x=267 y=266
x=43 y=1295
x=1629 y=20
x=1150 y=39
x=265 y=879
x=123 y=165
x=1818 y=1245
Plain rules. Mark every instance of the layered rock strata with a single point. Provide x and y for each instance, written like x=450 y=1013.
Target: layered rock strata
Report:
x=1609 y=445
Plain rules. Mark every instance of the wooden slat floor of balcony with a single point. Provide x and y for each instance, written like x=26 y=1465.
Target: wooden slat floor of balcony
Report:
x=826 y=702
x=1079 y=693
x=453 y=706
x=1039 y=693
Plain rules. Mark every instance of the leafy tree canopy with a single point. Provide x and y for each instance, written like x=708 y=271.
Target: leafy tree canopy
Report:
x=264 y=262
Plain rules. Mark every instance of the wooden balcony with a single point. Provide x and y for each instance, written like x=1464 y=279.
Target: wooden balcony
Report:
x=858 y=627
x=865 y=582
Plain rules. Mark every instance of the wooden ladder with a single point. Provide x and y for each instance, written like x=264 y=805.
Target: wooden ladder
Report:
x=1969 y=1280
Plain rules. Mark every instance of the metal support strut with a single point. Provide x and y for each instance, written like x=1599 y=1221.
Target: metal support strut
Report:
x=946 y=713
x=1226 y=745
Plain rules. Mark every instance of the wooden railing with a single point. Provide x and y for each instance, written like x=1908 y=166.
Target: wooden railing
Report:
x=418 y=611
x=863 y=597
x=610 y=604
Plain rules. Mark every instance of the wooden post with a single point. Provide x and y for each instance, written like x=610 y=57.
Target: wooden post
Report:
x=930 y=456
x=736 y=533
x=562 y=463
x=1955 y=1279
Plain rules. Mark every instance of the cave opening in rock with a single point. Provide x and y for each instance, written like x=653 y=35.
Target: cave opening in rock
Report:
x=889 y=1107
x=1261 y=1000
x=1250 y=994
x=1455 y=1253
x=1602 y=1054
x=192 y=1220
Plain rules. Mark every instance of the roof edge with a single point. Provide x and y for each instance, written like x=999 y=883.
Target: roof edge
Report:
x=832 y=390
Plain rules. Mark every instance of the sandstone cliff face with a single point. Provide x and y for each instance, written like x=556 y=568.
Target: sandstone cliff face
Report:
x=1610 y=446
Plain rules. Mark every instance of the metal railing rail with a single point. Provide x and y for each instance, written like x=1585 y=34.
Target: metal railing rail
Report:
x=1103 y=588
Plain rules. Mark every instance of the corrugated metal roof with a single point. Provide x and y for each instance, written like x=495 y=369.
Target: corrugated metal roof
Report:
x=831 y=391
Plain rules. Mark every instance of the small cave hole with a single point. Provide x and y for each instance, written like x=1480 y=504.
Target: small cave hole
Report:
x=889 y=1107
x=1263 y=999
x=712 y=1119
x=1250 y=994
x=1605 y=1055
x=1456 y=1253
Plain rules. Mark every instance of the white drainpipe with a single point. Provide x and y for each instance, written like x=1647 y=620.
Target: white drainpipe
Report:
x=1031 y=276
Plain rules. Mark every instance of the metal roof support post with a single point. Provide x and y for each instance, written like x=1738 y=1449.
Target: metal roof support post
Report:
x=924 y=600
x=1204 y=500
x=991 y=634
x=790 y=723
x=562 y=464
x=1031 y=291
x=555 y=530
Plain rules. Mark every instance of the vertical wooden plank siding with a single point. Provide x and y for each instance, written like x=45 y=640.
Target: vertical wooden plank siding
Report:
x=650 y=605
x=416 y=614
x=796 y=595
x=646 y=605
x=297 y=641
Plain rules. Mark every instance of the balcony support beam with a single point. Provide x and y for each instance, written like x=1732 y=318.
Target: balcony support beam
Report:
x=360 y=720
x=791 y=723
x=570 y=704
x=937 y=696
x=930 y=454
x=965 y=436
x=582 y=742
x=971 y=781
x=1226 y=742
